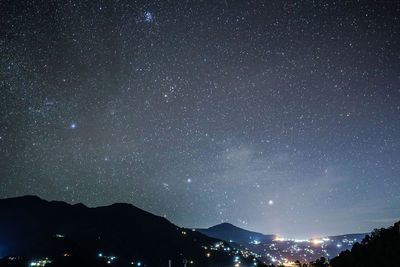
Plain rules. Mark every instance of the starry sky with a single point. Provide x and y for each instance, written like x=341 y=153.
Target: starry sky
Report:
x=277 y=116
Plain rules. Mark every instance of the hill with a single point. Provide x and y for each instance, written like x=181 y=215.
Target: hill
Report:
x=231 y=233
x=120 y=234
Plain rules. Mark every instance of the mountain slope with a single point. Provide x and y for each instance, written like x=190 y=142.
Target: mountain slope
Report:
x=32 y=227
x=229 y=232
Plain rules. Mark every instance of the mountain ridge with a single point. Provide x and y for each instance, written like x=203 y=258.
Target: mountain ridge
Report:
x=33 y=227
x=231 y=233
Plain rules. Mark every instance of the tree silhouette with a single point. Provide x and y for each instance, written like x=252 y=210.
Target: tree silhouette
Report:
x=382 y=248
x=321 y=262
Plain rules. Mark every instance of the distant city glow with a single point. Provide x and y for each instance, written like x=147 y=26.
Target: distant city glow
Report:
x=317 y=241
x=301 y=240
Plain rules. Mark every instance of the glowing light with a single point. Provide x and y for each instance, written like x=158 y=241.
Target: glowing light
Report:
x=301 y=240
x=100 y=255
x=317 y=241
x=148 y=16
x=73 y=126
x=42 y=262
x=270 y=202
x=289 y=263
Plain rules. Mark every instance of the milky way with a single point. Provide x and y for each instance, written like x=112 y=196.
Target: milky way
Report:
x=280 y=117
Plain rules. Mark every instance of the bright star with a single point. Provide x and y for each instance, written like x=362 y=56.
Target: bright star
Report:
x=149 y=16
x=270 y=202
x=73 y=126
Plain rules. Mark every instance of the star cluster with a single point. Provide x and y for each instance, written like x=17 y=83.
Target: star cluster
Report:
x=278 y=116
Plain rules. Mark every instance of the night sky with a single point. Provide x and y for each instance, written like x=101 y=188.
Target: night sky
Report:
x=277 y=116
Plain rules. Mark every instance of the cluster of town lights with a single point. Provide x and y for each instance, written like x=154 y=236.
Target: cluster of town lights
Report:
x=42 y=262
x=315 y=241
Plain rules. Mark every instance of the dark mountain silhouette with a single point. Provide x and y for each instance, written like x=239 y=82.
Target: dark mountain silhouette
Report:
x=380 y=248
x=31 y=227
x=231 y=233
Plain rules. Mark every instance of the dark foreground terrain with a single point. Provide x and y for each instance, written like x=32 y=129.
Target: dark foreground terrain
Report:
x=36 y=232
x=381 y=248
x=33 y=230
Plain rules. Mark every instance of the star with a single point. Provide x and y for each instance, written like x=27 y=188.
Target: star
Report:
x=217 y=102
x=165 y=185
x=148 y=16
